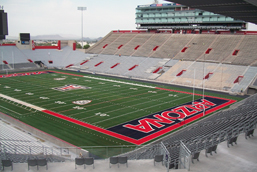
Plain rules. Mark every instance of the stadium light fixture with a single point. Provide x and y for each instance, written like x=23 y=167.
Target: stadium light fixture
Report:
x=82 y=9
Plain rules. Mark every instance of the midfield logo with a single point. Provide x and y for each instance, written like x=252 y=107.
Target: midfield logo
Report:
x=70 y=87
x=82 y=102
x=167 y=120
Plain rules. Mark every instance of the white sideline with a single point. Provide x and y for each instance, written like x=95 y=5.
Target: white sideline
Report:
x=22 y=102
x=128 y=83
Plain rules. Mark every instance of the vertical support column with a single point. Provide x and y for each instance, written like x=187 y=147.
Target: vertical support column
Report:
x=74 y=46
x=59 y=45
x=33 y=45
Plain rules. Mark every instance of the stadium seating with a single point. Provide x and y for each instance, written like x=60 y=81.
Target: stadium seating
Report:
x=137 y=41
x=107 y=40
x=17 y=146
x=216 y=50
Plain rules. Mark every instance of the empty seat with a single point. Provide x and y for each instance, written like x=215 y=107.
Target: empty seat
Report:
x=195 y=156
x=89 y=161
x=7 y=163
x=79 y=161
x=32 y=162
x=113 y=160
x=42 y=162
x=210 y=150
x=158 y=158
x=123 y=160
x=231 y=141
x=249 y=133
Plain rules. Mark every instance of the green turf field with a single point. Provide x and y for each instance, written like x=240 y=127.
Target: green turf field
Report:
x=112 y=103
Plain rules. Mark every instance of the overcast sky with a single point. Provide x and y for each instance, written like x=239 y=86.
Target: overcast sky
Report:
x=45 y=17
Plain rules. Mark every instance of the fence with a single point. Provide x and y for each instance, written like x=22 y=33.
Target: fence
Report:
x=20 y=153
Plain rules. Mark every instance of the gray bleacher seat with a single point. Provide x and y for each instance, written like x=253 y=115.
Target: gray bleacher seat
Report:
x=89 y=161
x=113 y=160
x=32 y=162
x=7 y=163
x=123 y=160
x=79 y=161
x=42 y=162
x=158 y=158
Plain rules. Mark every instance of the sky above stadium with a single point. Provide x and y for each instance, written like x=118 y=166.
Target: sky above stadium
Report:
x=47 y=17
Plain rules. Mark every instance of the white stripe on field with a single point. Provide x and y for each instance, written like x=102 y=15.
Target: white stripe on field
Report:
x=22 y=102
x=128 y=83
x=10 y=110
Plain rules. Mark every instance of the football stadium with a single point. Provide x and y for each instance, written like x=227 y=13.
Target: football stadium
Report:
x=178 y=93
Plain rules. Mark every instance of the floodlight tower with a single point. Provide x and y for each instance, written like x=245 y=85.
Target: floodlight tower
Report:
x=82 y=9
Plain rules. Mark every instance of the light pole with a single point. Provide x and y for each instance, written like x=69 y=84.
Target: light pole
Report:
x=82 y=9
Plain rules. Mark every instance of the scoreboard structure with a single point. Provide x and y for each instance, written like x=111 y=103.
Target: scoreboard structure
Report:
x=25 y=38
x=3 y=24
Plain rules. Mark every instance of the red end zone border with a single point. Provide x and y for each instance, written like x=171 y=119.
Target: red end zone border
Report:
x=144 y=139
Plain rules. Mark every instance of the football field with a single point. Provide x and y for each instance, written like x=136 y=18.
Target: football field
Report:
x=91 y=110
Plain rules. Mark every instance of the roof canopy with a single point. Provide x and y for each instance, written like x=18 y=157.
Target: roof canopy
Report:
x=245 y=10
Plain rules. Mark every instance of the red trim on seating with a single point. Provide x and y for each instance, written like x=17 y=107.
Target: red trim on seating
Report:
x=181 y=72
x=84 y=62
x=184 y=49
x=136 y=47
x=238 y=79
x=208 y=51
x=155 y=48
x=98 y=63
x=120 y=46
x=30 y=60
x=115 y=65
x=5 y=62
x=208 y=75
x=7 y=44
x=133 y=67
x=188 y=32
x=235 y=52
x=157 y=70
x=69 y=65
x=46 y=47
x=105 y=45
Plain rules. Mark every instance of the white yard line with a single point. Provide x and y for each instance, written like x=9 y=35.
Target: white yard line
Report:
x=10 y=110
x=128 y=83
x=137 y=110
x=22 y=102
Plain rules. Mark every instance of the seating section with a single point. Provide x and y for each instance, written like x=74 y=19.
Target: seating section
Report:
x=115 y=46
x=118 y=52
x=249 y=75
x=222 y=76
x=106 y=41
x=137 y=41
x=19 y=146
x=196 y=47
x=247 y=52
x=150 y=45
x=222 y=48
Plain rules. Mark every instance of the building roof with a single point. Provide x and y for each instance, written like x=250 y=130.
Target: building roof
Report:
x=245 y=10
